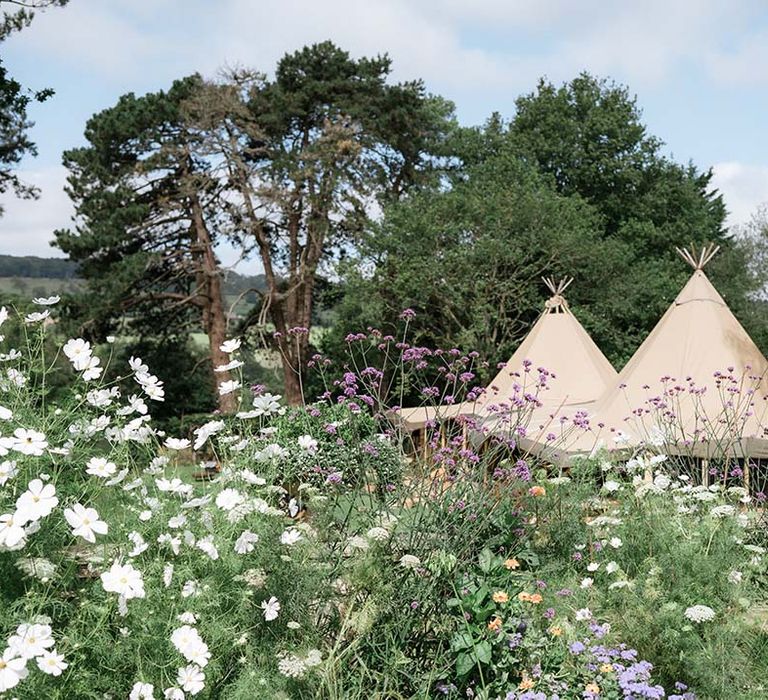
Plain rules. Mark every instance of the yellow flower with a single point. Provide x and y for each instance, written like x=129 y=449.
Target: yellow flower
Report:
x=537 y=491
x=500 y=597
x=525 y=684
x=512 y=564
x=556 y=631
x=606 y=668
x=593 y=688
x=495 y=624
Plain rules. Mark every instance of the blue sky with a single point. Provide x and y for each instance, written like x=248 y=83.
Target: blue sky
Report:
x=699 y=69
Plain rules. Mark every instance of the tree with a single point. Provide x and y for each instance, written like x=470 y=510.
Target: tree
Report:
x=308 y=156
x=581 y=147
x=469 y=261
x=14 y=100
x=146 y=225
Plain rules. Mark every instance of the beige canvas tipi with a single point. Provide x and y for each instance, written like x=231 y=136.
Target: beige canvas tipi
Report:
x=697 y=383
x=557 y=352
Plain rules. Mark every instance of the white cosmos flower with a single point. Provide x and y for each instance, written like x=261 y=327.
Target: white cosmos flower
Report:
x=206 y=545
x=167 y=575
x=5 y=413
x=174 y=485
x=699 y=613
x=229 y=346
x=611 y=567
x=37 y=316
x=229 y=366
x=229 y=387
x=85 y=522
x=3 y=315
x=52 y=663
x=101 y=467
x=79 y=352
x=16 y=377
x=11 y=532
x=47 y=301
x=123 y=580
x=587 y=582
x=31 y=640
x=583 y=615
x=190 y=645
x=615 y=542
x=173 y=693
x=229 y=499
x=593 y=566
x=191 y=678
x=29 y=442
x=7 y=471
x=92 y=370
x=12 y=670
x=245 y=543
x=735 y=577
x=290 y=536
x=190 y=588
x=177 y=443
x=307 y=443
x=611 y=486
x=142 y=691
x=36 y=502
x=271 y=608
x=205 y=431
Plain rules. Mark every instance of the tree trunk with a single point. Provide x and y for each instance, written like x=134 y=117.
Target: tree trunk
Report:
x=214 y=318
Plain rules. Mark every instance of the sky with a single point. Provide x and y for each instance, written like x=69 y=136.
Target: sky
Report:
x=699 y=70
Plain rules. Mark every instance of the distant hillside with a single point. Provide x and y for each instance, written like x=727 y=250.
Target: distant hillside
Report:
x=32 y=266
x=30 y=276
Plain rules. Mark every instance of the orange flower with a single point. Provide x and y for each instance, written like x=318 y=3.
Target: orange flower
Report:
x=535 y=598
x=606 y=668
x=592 y=688
x=495 y=624
x=512 y=564
x=526 y=684
x=556 y=631
x=500 y=597
x=523 y=597
x=537 y=491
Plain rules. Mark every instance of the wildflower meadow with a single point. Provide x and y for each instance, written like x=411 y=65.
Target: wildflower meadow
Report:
x=312 y=553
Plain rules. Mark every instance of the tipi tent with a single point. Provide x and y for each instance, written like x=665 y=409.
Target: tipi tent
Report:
x=557 y=362
x=697 y=383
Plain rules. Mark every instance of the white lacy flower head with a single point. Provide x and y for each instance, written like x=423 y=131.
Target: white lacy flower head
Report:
x=37 y=567
x=699 y=613
x=723 y=511
x=291 y=666
x=410 y=561
x=378 y=534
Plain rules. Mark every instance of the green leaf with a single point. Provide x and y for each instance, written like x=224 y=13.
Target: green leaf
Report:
x=464 y=664
x=485 y=560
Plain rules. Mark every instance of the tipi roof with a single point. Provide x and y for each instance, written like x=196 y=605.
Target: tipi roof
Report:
x=578 y=371
x=698 y=381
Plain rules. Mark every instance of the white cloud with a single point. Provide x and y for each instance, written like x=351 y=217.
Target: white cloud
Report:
x=28 y=225
x=744 y=188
